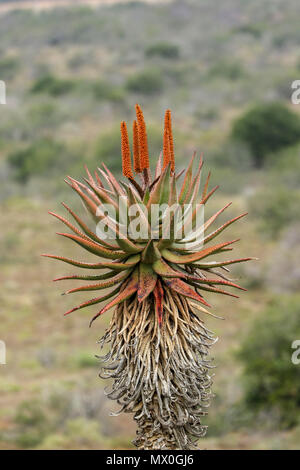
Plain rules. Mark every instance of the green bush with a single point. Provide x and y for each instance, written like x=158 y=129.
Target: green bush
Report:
x=232 y=155
x=107 y=92
x=107 y=150
x=32 y=424
x=84 y=360
x=267 y=128
x=163 y=49
x=254 y=30
x=147 y=82
x=283 y=168
x=52 y=85
x=36 y=159
x=275 y=209
x=271 y=380
x=8 y=67
x=229 y=70
x=45 y=115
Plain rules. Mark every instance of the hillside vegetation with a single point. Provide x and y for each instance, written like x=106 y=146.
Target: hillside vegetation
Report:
x=72 y=74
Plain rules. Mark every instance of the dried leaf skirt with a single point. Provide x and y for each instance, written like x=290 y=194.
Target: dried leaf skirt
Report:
x=161 y=373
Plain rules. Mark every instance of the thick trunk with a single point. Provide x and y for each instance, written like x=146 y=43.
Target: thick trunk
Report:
x=161 y=374
x=153 y=436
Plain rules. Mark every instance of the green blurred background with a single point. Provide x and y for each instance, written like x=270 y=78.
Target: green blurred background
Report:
x=72 y=74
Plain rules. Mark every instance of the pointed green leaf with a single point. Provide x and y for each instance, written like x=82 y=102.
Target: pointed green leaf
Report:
x=216 y=232
x=99 y=277
x=132 y=261
x=220 y=264
x=156 y=191
x=101 y=285
x=200 y=280
x=86 y=229
x=147 y=281
x=191 y=258
x=164 y=269
x=114 y=182
x=184 y=289
x=94 y=248
x=206 y=198
x=68 y=224
x=130 y=287
x=158 y=167
x=212 y=289
x=88 y=203
x=94 y=301
x=150 y=253
x=187 y=181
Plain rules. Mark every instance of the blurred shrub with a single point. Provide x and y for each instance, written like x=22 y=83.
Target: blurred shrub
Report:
x=283 y=39
x=229 y=70
x=106 y=91
x=8 y=67
x=275 y=208
x=83 y=360
x=147 y=82
x=78 y=434
x=254 y=30
x=232 y=154
x=38 y=158
x=267 y=128
x=165 y=50
x=206 y=115
x=32 y=424
x=107 y=150
x=44 y=114
x=52 y=85
x=81 y=59
x=283 y=273
x=283 y=168
x=84 y=432
x=271 y=380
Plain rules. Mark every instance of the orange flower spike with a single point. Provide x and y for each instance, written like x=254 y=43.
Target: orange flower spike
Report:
x=168 y=126
x=136 y=153
x=166 y=147
x=143 y=143
x=126 y=159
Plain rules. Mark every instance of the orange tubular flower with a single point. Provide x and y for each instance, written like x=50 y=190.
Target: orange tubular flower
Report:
x=126 y=159
x=136 y=152
x=168 y=146
x=143 y=143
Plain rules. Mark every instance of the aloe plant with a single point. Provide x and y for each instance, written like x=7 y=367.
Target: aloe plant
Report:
x=158 y=342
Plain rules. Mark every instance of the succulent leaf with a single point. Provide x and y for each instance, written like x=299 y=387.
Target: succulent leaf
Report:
x=129 y=289
x=101 y=285
x=147 y=281
x=182 y=288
